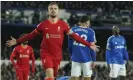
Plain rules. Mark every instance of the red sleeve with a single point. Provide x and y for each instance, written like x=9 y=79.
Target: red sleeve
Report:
x=79 y=39
x=13 y=55
x=33 y=60
x=66 y=27
x=74 y=36
x=31 y=35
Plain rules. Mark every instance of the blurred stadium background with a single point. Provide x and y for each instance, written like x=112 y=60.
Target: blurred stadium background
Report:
x=19 y=17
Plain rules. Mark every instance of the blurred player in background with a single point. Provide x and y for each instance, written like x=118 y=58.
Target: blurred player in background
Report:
x=23 y=53
x=53 y=31
x=83 y=58
x=116 y=54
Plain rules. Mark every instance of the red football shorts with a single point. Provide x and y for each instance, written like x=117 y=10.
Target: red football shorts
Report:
x=49 y=62
x=22 y=74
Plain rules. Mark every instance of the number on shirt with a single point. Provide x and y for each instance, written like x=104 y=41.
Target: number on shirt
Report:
x=80 y=44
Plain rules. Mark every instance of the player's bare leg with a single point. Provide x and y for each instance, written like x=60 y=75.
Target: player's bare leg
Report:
x=74 y=78
x=49 y=74
x=87 y=78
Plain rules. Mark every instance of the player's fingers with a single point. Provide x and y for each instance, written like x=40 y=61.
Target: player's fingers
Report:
x=8 y=44
x=12 y=37
x=97 y=50
x=8 y=41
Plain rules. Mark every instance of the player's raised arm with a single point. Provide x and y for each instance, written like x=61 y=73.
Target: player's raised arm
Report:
x=78 y=38
x=27 y=37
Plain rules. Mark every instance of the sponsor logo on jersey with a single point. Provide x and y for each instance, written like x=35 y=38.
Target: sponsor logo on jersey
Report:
x=24 y=56
x=122 y=42
x=52 y=36
x=119 y=47
x=47 y=36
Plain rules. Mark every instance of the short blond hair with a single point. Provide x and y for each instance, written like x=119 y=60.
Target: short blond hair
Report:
x=53 y=3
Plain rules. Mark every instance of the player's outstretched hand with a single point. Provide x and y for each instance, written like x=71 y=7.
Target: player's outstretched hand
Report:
x=11 y=42
x=95 y=48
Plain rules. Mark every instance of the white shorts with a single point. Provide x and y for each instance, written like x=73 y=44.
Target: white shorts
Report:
x=78 y=67
x=117 y=70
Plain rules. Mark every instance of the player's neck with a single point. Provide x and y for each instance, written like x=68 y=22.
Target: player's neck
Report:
x=84 y=26
x=53 y=20
x=24 y=46
x=116 y=34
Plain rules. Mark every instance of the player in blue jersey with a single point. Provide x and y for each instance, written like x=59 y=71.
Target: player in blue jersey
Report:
x=83 y=58
x=116 y=55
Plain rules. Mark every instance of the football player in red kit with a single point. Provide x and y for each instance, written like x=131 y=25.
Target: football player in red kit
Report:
x=23 y=53
x=53 y=30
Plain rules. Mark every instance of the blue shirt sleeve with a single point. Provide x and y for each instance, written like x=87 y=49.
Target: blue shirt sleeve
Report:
x=108 y=51
x=93 y=37
x=125 y=53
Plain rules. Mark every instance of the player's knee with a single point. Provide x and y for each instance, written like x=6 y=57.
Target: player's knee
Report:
x=49 y=73
x=74 y=78
x=87 y=78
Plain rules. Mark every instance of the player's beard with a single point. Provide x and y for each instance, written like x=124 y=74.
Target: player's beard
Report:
x=53 y=16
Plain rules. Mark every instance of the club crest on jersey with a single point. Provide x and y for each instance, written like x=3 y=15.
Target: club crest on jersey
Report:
x=122 y=42
x=58 y=28
x=47 y=36
x=28 y=51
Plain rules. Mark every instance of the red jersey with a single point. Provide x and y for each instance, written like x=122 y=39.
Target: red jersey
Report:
x=23 y=56
x=53 y=35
